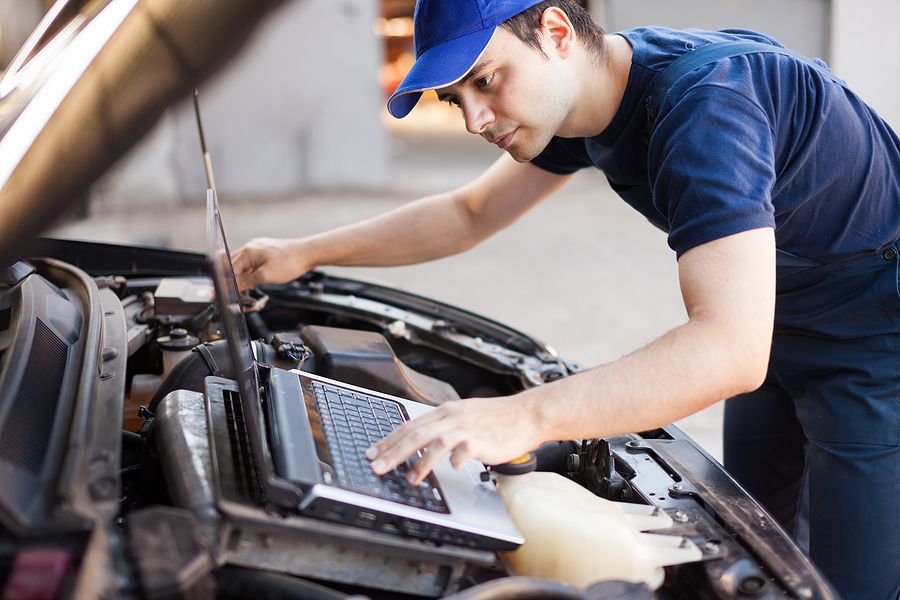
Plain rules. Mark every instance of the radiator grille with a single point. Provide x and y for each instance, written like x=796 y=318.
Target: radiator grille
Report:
x=245 y=477
x=25 y=435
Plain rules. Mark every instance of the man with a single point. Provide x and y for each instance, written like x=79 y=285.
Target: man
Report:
x=748 y=158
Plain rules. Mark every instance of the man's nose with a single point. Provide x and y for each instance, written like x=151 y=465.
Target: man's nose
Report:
x=478 y=116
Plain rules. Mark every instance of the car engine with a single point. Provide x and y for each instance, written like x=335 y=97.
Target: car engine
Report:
x=108 y=487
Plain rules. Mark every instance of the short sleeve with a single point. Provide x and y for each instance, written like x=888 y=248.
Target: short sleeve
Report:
x=563 y=156
x=711 y=167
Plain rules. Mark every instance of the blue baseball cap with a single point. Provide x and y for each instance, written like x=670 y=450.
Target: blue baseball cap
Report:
x=449 y=36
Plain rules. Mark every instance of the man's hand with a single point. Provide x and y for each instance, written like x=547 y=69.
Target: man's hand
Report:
x=268 y=260
x=492 y=430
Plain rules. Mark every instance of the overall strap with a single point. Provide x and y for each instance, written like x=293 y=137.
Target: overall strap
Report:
x=686 y=63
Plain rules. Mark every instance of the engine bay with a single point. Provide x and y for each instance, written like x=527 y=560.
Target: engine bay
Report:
x=105 y=454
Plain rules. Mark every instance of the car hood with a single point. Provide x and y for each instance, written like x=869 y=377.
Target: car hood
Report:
x=92 y=79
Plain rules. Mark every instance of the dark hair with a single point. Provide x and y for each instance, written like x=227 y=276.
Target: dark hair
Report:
x=526 y=24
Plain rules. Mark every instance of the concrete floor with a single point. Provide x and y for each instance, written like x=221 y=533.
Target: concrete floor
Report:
x=583 y=271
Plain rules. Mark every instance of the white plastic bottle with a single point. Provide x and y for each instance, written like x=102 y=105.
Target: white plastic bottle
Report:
x=578 y=538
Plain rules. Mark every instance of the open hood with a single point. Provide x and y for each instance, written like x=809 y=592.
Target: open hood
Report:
x=93 y=78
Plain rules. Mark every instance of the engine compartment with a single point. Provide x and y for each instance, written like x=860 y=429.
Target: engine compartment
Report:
x=107 y=460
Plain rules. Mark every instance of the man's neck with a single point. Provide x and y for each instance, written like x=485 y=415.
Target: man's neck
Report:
x=602 y=87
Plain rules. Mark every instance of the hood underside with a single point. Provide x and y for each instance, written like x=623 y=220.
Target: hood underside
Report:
x=91 y=81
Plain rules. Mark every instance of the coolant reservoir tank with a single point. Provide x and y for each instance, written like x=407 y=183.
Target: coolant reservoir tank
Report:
x=573 y=536
x=175 y=347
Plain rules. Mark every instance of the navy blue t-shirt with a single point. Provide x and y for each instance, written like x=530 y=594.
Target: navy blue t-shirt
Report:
x=757 y=140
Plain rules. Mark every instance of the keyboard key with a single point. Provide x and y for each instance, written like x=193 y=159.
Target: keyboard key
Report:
x=351 y=401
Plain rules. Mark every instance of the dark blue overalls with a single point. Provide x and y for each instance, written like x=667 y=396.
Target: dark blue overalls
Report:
x=818 y=444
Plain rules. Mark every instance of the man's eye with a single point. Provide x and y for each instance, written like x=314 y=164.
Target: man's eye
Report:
x=484 y=81
x=452 y=100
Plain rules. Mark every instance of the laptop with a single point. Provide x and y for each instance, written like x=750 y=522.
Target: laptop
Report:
x=306 y=435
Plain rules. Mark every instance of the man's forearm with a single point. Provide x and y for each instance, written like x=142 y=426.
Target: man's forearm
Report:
x=437 y=226
x=430 y=228
x=686 y=370
x=729 y=290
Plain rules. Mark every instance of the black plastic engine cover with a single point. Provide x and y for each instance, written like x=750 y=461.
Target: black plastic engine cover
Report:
x=366 y=359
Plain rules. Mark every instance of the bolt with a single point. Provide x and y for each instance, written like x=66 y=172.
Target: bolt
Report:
x=711 y=547
x=680 y=516
x=753 y=585
x=676 y=487
x=804 y=592
x=633 y=444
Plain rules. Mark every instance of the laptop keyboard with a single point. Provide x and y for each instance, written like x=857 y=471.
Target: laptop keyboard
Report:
x=352 y=422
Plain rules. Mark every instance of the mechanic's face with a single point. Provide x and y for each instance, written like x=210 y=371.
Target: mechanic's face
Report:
x=515 y=97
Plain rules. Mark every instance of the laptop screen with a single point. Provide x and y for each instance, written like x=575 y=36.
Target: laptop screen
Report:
x=228 y=302
x=240 y=348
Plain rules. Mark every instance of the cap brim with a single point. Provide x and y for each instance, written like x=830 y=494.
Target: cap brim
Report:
x=438 y=67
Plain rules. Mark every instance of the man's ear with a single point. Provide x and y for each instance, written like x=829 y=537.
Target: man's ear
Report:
x=557 y=29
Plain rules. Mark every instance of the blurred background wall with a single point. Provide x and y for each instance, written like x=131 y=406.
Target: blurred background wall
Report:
x=801 y=24
x=299 y=110
x=302 y=109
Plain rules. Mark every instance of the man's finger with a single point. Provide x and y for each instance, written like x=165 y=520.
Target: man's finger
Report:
x=244 y=273
x=239 y=260
x=402 y=449
x=245 y=281
x=461 y=455
x=433 y=454
x=383 y=445
x=400 y=445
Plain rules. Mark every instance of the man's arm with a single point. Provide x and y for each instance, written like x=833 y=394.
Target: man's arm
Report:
x=430 y=228
x=728 y=287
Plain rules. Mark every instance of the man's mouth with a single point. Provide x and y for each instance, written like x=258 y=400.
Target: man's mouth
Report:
x=504 y=141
